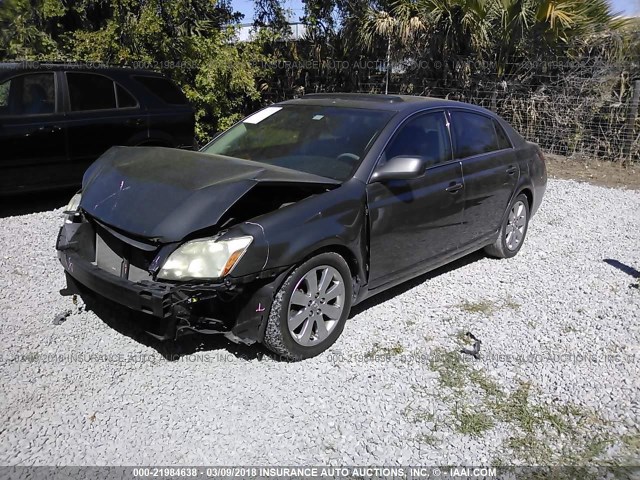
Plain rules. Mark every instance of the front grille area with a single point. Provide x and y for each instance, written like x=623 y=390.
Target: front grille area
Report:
x=107 y=259
x=121 y=258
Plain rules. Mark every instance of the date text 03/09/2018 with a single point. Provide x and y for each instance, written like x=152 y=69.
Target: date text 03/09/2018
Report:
x=317 y=472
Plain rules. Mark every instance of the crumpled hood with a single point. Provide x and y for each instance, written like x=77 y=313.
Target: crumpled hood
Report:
x=166 y=194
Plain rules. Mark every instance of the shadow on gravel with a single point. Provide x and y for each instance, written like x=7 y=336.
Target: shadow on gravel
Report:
x=622 y=267
x=135 y=325
x=635 y=274
x=25 y=203
x=408 y=285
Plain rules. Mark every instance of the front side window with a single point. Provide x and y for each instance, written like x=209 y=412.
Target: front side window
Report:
x=88 y=91
x=473 y=134
x=33 y=94
x=426 y=136
x=324 y=140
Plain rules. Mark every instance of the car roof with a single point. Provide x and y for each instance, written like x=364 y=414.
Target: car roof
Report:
x=395 y=103
x=34 y=66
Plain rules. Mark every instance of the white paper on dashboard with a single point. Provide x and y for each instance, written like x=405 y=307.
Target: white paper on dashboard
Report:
x=261 y=115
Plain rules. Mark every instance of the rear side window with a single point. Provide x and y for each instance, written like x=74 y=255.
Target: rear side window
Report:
x=164 y=89
x=503 y=140
x=125 y=99
x=32 y=94
x=88 y=91
x=425 y=136
x=4 y=94
x=474 y=134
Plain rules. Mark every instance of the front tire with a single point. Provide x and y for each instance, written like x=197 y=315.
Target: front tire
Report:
x=310 y=308
x=513 y=230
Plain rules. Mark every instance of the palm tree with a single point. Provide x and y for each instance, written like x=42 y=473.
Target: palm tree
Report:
x=447 y=29
x=401 y=26
x=564 y=20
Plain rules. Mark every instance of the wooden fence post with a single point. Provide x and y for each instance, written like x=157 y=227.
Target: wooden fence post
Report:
x=494 y=102
x=631 y=120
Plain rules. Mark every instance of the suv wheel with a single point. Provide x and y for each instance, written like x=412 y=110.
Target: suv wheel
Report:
x=310 y=309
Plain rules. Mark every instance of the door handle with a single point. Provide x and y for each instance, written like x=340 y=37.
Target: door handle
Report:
x=512 y=170
x=135 y=122
x=454 y=188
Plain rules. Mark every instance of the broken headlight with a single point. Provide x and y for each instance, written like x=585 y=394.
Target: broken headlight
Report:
x=74 y=203
x=71 y=209
x=208 y=258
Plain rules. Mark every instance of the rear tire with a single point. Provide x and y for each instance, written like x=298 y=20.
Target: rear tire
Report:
x=513 y=230
x=310 y=308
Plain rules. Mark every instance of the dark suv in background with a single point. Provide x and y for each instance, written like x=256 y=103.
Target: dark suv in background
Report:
x=56 y=119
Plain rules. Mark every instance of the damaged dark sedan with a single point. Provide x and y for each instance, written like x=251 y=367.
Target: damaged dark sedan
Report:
x=277 y=227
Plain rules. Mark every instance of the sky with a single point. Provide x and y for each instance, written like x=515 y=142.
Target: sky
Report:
x=626 y=7
x=246 y=7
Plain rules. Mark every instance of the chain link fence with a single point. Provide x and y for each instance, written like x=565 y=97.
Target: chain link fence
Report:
x=569 y=125
x=586 y=108
x=592 y=116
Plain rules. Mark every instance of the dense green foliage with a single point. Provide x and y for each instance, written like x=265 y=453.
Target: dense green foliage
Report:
x=435 y=46
x=189 y=40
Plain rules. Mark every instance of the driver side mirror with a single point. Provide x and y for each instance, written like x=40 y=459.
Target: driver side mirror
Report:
x=403 y=167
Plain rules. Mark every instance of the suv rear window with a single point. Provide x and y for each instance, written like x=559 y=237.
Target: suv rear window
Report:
x=164 y=89
x=125 y=100
x=4 y=94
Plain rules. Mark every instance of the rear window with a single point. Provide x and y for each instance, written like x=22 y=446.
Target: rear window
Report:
x=164 y=89
x=503 y=140
x=125 y=99
x=474 y=134
x=4 y=94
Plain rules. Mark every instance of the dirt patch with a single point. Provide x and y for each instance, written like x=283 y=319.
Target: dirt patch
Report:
x=603 y=173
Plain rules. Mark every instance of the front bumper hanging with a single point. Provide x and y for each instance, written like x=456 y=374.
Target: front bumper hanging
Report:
x=237 y=309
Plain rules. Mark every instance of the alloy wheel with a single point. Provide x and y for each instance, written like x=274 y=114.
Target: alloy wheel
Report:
x=516 y=225
x=316 y=305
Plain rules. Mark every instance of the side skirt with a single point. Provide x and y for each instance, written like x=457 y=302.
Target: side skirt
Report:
x=423 y=268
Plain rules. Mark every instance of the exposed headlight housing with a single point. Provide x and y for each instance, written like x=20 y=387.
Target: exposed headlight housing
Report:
x=72 y=207
x=207 y=258
x=74 y=203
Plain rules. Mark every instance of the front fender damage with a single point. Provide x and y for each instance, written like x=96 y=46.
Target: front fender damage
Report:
x=288 y=215
x=237 y=307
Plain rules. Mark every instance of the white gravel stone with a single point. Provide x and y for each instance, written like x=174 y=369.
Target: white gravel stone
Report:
x=224 y=405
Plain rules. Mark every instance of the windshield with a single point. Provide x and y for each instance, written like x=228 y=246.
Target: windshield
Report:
x=327 y=141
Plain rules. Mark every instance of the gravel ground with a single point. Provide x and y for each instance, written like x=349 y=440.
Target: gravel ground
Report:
x=557 y=382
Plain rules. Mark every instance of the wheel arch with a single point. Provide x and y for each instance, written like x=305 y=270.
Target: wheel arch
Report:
x=528 y=193
x=348 y=255
x=525 y=190
x=151 y=138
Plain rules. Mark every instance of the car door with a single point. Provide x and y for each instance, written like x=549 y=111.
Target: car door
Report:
x=415 y=222
x=490 y=170
x=102 y=113
x=32 y=133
